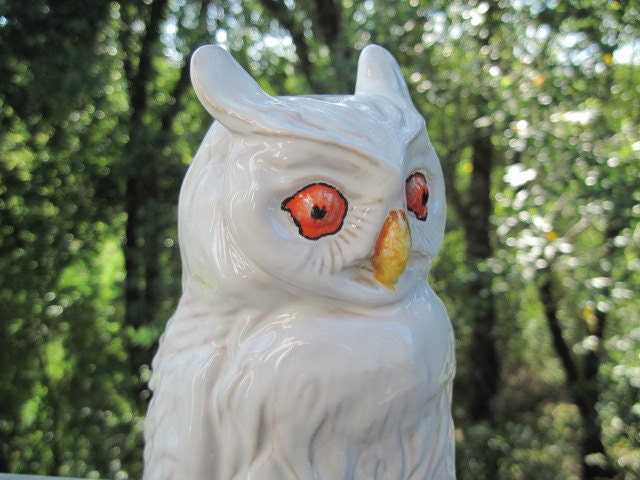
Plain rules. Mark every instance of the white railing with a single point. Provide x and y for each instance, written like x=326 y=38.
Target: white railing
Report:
x=15 y=476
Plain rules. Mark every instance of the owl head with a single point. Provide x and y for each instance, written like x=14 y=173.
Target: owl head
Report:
x=324 y=196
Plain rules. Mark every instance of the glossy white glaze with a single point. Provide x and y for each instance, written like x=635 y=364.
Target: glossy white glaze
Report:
x=287 y=358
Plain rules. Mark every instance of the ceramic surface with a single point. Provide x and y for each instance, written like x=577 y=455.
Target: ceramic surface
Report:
x=307 y=343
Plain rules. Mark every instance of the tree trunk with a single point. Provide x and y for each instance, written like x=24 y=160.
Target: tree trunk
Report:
x=485 y=377
x=582 y=385
x=141 y=192
x=328 y=28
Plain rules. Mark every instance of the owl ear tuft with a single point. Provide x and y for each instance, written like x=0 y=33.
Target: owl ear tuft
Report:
x=378 y=72
x=225 y=89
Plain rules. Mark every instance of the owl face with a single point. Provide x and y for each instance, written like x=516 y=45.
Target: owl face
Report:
x=339 y=196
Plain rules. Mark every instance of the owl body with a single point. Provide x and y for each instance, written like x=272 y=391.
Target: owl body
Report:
x=307 y=343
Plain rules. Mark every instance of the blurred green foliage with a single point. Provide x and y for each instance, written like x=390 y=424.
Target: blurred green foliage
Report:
x=533 y=107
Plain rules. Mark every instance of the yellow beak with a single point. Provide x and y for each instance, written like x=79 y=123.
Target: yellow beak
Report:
x=392 y=249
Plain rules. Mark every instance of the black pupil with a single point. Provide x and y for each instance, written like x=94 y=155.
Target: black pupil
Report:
x=425 y=197
x=318 y=213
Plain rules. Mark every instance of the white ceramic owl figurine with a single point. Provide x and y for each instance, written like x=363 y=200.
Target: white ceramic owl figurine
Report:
x=307 y=343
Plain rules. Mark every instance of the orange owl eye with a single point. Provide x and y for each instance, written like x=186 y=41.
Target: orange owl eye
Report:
x=417 y=192
x=317 y=210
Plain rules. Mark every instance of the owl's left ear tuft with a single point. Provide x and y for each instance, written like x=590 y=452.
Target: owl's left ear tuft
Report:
x=379 y=73
x=225 y=89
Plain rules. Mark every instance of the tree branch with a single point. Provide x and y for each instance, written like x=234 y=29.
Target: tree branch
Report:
x=550 y=304
x=139 y=80
x=287 y=20
x=171 y=110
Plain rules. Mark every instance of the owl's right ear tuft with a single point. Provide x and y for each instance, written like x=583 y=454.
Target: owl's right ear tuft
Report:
x=226 y=90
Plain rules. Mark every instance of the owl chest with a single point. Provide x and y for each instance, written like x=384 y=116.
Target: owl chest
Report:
x=358 y=376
